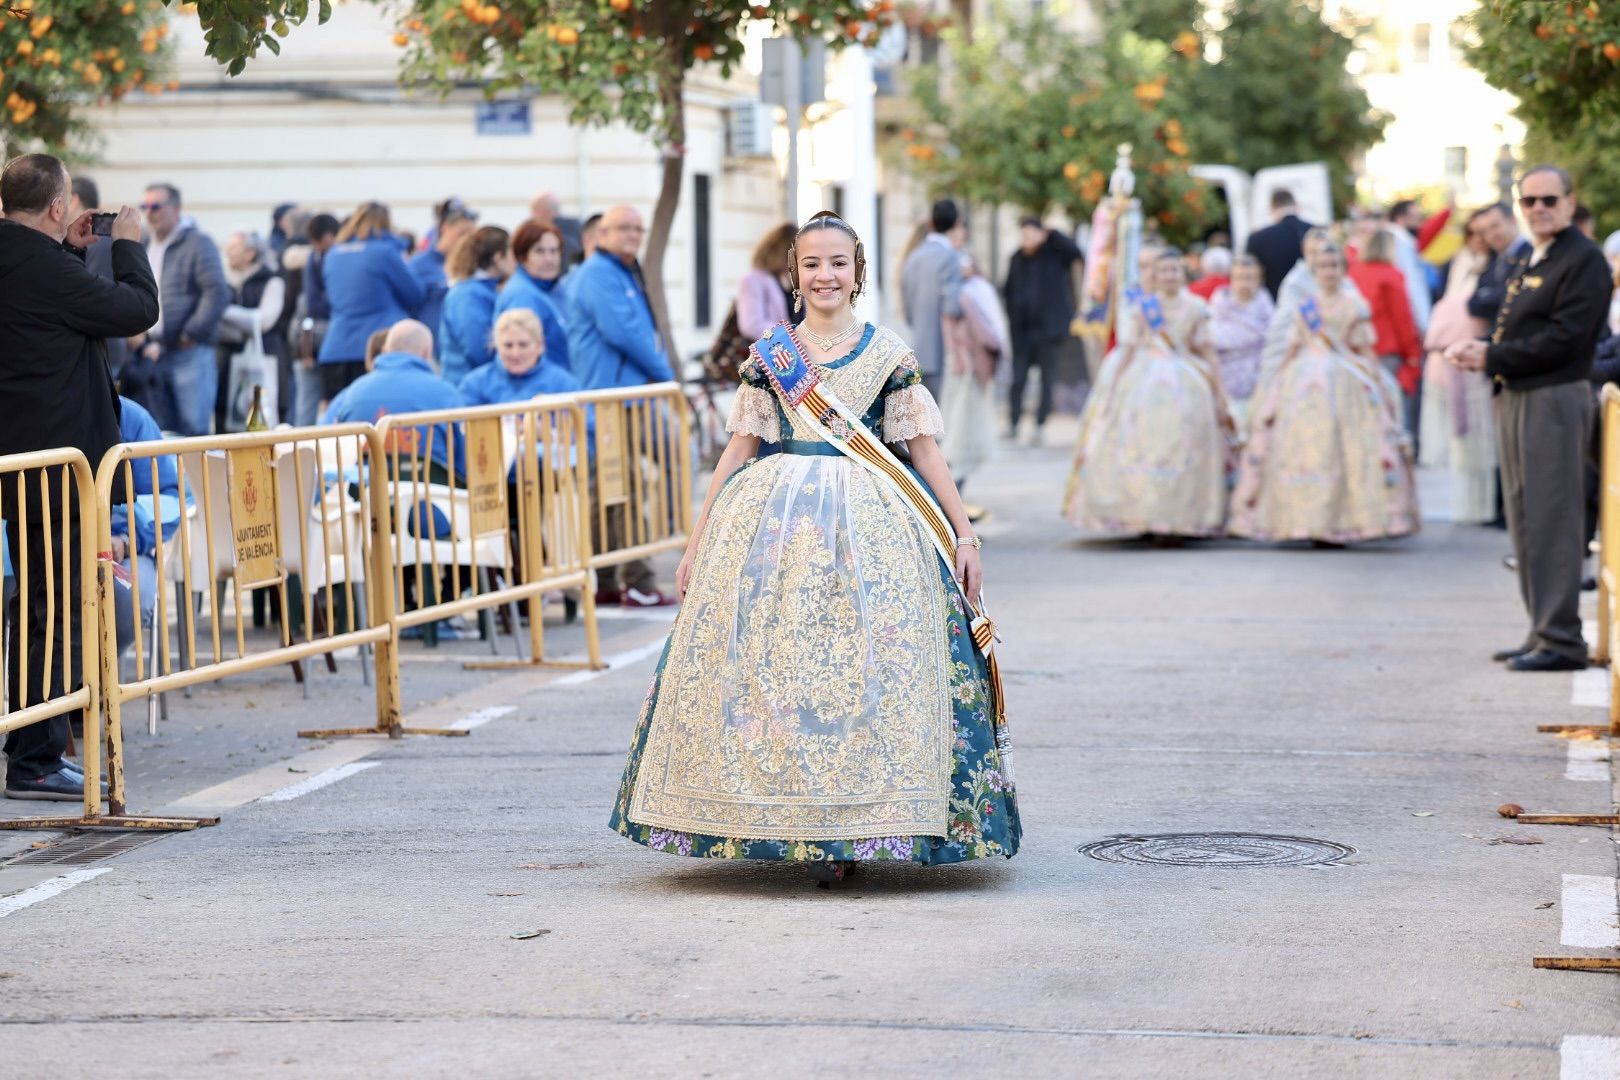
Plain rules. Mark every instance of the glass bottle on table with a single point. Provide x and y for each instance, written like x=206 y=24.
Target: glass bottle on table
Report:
x=255 y=416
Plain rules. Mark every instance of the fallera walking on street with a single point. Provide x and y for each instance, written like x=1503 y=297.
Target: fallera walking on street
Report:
x=886 y=537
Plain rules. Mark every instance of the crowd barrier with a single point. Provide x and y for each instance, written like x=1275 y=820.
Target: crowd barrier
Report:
x=1608 y=575
x=347 y=535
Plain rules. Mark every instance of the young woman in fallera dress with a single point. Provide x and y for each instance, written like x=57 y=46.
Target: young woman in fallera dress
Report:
x=823 y=697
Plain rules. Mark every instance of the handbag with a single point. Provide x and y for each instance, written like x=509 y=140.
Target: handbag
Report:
x=249 y=367
x=729 y=351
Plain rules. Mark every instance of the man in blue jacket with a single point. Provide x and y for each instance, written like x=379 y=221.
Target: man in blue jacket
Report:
x=427 y=267
x=136 y=425
x=614 y=342
x=402 y=380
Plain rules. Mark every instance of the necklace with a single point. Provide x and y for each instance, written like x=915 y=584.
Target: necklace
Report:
x=826 y=342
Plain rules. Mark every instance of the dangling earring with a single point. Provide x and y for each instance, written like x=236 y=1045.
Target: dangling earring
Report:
x=798 y=301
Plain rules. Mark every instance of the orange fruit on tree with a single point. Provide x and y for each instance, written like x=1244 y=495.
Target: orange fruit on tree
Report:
x=1543 y=31
x=619 y=5
x=567 y=35
x=1071 y=171
x=703 y=52
x=401 y=40
x=1611 y=51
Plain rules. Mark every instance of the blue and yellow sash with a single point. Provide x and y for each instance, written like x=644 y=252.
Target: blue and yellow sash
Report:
x=803 y=394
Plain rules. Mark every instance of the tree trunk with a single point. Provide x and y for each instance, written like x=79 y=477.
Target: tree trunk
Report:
x=669 y=200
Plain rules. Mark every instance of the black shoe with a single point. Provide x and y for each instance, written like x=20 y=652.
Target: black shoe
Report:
x=1589 y=584
x=1502 y=656
x=75 y=770
x=570 y=609
x=1546 y=660
x=59 y=786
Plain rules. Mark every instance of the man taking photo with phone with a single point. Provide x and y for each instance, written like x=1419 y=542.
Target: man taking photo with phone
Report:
x=55 y=391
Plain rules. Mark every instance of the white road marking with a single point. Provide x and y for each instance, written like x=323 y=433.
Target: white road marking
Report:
x=663 y=614
x=319 y=780
x=10 y=905
x=1589 y=1057
x=613 y=663
x=1588 y=760
x=483 y=716
x=1591 y=912
x=1590 y=687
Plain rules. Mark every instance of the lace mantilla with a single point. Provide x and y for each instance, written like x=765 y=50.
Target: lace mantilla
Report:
x=755 y=413
x=909 y=413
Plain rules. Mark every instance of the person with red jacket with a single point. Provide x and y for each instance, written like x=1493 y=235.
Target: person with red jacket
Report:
x=1399 y=347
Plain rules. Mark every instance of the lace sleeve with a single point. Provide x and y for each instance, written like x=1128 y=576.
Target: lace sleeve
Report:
x=754 y=413
x=910 y=412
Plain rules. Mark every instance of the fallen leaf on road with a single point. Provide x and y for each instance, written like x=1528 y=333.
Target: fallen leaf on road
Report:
x=1514 y=1004
x=1423 y=813
x=1526 y=840
x=506 y=894
x=525 y=935
x=10 y=974
x=1544 y=907
x=291 y=769
x=37 y=844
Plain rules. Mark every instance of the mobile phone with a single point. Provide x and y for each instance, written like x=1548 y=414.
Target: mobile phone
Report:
x=101 y=224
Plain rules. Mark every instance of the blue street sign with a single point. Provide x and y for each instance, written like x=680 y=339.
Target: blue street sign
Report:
x=502 y=118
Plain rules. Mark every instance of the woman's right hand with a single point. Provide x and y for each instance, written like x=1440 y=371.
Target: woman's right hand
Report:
x=683 y=573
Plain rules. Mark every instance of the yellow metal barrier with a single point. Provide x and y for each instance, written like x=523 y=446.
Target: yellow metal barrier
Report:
x=56 y=567
x=245 y=513
x=1607 y=645
x=641 y=472
x=466 y=498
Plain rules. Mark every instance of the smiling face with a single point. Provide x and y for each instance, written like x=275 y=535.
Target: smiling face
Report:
x=519 y=349
x=545 y=258
x=827 y=271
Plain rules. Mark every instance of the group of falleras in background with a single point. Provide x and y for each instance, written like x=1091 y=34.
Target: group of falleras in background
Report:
x=1322 y=455
x=829 y=693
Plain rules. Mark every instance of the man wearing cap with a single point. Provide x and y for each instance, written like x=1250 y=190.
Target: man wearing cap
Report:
x=453 y=222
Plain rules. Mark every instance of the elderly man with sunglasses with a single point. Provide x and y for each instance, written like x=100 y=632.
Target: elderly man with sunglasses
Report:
x=1539 y=357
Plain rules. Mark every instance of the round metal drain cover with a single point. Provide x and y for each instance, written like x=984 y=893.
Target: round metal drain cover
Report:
x=1217 y=850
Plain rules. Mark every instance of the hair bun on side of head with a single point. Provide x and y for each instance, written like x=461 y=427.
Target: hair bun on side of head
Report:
x=828 y=219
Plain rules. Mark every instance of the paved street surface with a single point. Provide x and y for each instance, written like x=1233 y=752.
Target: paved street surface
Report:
x=368 y=927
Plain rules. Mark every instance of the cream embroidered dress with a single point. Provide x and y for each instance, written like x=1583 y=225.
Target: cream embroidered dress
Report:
x=1328 y=457
x=1153 y=451
x=820 y=696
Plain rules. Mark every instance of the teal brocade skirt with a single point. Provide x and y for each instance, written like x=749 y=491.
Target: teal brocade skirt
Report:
x=983 y=818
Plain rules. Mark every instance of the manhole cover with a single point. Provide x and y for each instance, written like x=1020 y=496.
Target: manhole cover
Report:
x=81 y=849
x=1217 y=850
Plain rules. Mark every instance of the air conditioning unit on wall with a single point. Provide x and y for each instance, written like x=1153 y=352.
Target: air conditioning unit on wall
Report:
x=749 y=128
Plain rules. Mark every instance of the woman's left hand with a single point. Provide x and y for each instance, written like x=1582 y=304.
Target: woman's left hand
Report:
x=969 y=571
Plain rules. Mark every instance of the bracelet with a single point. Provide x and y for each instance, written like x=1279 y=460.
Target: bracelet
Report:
x=970 y=541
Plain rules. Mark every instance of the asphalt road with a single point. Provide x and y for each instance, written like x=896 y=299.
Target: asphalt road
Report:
x=377 y=925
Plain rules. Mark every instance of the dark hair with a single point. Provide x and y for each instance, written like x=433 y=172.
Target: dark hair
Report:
x=85 y=190
x=1495 y=208
x=1401 y=207
x=375 y=344
x=943 y=216
x=321 y=226
x=1031 y=221
x=1583 y=213
x=591 y=222
x=1562 y=174
x=1281 y=198
x=171 y=194
x=529 y=234
x=476 y=251
x=825 y=220
x=31 y=182
x=772 y=251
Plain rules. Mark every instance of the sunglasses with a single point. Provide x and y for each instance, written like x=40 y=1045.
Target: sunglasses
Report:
x=149 y=207
x=1549 y=201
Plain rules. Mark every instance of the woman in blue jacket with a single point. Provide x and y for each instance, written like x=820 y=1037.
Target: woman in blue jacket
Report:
x=370 y=289
x=477 y=266
x=537 y=250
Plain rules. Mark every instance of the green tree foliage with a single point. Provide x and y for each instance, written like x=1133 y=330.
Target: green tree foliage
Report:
x=1280 y=92
x=58 y=56
x=1562 y=61
x=1033 y=117
x=622 y=61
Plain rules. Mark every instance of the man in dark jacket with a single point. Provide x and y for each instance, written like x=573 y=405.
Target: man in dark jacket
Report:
x=193 y=297
x=1278 y=246
x=1500 y=232
x=55 y=391
x=1040 y=306
x=1540 y=357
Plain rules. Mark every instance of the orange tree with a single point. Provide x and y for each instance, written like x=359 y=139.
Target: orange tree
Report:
x=1033 y=117
x=623 y=61
x=57 y=55
x=1562 y=61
